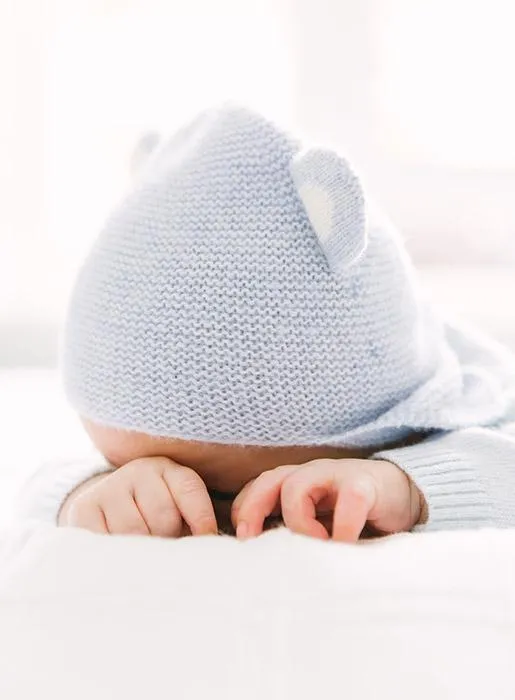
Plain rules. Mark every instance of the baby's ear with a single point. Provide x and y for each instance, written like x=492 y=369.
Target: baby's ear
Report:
x=334 y=202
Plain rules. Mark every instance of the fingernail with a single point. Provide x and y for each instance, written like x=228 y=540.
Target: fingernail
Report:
x=242 y=531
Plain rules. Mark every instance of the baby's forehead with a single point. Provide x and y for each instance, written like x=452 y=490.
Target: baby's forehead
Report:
x=224 y=468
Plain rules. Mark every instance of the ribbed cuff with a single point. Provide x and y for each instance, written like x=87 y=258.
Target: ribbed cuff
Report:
x=43 y=495
x=445 y=474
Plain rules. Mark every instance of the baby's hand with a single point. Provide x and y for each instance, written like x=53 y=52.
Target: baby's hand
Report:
x=351 y=492
x=151 y=496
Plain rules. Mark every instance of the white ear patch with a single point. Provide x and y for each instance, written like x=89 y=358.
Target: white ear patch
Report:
x=319 y=208
x=333 y=201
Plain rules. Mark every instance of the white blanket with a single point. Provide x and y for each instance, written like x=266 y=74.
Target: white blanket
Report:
x=281 y=617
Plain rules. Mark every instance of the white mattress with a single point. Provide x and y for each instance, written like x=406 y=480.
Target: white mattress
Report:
x=282 y=617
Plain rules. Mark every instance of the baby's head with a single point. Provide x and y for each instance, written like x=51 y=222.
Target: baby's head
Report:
x=244 y=295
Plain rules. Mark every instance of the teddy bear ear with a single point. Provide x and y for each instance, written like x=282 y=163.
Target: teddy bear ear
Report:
x=334 y=202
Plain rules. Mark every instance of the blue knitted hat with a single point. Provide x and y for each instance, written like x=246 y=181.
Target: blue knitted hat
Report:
x=244 y=293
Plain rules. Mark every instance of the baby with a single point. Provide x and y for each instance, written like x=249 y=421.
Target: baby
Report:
x=247 y=340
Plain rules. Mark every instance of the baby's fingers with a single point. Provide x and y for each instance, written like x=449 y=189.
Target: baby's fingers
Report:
x=258 y=501
x=123 y=517
x=88 y=515
x=192 y=499
x=299 y=497
x=353 y=505
x=318 y=483
x=157 y=506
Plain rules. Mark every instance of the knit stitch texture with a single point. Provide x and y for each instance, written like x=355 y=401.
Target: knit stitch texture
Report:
x=244 y=293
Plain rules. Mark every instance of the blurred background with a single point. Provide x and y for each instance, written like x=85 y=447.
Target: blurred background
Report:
x=417 y=94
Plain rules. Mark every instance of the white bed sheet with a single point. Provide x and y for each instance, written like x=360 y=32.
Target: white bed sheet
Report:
x=282 y=617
